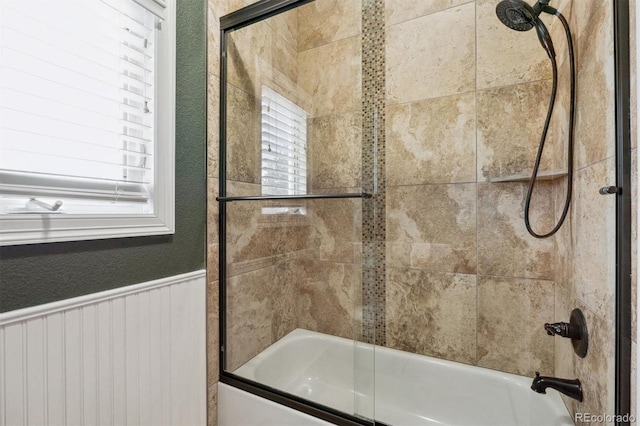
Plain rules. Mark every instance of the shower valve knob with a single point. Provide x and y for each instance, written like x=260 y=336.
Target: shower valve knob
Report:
x=562 y=329
x=575 y=329
x=606 y=190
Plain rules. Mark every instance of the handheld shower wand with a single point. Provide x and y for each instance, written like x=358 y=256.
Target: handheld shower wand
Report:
x=520 y=16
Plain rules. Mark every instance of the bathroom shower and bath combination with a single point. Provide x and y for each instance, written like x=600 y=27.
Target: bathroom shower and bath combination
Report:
x=414 y=200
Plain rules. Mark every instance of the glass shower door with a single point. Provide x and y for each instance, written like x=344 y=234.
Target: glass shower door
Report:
x=468 y=288
x=291 y=207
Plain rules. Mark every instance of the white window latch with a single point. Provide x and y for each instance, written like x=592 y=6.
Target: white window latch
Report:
x=42 y=204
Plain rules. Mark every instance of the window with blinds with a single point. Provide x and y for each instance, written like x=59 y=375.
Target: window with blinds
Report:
x=77 y=106
x=87 y=119
x=284 y=146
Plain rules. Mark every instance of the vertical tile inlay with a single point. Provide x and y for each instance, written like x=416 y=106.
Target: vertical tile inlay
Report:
x=373 y=171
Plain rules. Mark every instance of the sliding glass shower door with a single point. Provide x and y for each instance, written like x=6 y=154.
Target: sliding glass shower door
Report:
x=375 y=162
x=291 y=201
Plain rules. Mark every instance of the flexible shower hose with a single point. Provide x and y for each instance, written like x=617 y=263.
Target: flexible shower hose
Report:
x=534 y=175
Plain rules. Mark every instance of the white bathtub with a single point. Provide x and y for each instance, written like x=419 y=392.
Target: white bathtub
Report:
x=409 y=389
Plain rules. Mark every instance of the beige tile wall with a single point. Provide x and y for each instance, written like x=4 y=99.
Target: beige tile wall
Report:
x=330 y=74
x=475 y=103
x=463 y=109
x=432 y=313
x=432 y=141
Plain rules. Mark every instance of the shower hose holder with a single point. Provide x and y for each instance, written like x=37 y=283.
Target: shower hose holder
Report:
x=575 y=329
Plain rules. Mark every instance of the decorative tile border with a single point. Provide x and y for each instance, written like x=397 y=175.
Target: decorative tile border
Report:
x=373 y=172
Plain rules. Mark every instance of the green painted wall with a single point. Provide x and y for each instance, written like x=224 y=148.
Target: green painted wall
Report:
x=35 y=274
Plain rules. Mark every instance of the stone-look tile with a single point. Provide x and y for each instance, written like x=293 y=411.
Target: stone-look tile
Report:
x=212 y=307
x=563 y=246
x=397 y=11
x=327 y=300
x=325 y=21
x=501 y=61
x=432 y=141
x=564 y=355
x=250 y=57
x=337 y=229
x=262 y=53
x=335 y=151
x=256 y=240
x=286 y=25
x=560 y=129
x=331 y=76
x=595 y=125
x=432 y=314
x=212 y=229
x=633 y=43
x=634 y=243
x=432 y=227
x=260 y=310
x=505 y=248
x=634 y=381
x=215 y=10
x=597 y=370
x=243 y=142
x=556 y=30
x=357 y=309
x=213 y=38
x=502 y=304
x=510 y=122
x=213 y=126
x=284 y=300
x=224 y=7
x=594 y=239
x=284 y=76
x=241 y=189
x=423 y=60
x=212 y=405
x=557 y=151
x=581 y=14
x=249 y=313
x=213 y=332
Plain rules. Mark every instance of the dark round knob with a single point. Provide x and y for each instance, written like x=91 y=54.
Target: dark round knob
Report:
x=606 y=190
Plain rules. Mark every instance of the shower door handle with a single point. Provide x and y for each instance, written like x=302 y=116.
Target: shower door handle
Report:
x=607 y=190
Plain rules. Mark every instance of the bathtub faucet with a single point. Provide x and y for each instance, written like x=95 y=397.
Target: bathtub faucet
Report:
x=571 y=388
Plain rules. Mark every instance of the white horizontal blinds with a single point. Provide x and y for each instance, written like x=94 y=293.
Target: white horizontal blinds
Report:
x=76 y=99
x=284 y=145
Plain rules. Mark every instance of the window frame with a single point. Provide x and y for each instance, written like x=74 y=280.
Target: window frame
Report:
x=18 y=229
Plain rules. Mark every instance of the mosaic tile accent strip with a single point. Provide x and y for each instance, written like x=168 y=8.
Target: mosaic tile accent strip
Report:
x=373 y=172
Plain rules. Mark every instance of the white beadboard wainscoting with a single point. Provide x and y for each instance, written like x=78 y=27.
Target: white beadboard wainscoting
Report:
x=133 y=355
